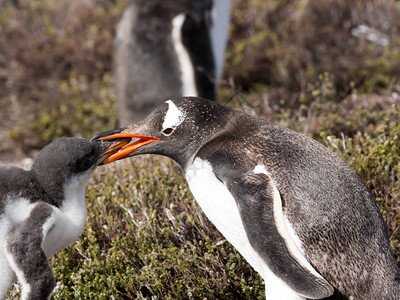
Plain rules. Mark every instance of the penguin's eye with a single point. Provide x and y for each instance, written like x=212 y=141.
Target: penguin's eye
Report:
x=85 y=163
x=168 y=131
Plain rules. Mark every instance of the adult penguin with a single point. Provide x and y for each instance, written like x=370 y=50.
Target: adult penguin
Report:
x=173 y=47
x=299 y=215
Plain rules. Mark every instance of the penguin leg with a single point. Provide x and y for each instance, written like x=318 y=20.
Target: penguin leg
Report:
x=271 y=235
x=25 y=254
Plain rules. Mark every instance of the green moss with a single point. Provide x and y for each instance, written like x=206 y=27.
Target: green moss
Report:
x=81 y=108
x=375 y=157
x=290 y=43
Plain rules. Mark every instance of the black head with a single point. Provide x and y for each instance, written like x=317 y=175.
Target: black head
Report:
x=71 y=156
x=66 y=160
x=177 y=129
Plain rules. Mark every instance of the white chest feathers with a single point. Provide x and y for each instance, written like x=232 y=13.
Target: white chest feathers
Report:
x=68 y=222
x=62 y=227
x=220 y=207
x=54 y=228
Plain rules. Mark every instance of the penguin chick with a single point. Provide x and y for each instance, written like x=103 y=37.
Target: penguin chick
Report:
x=43 y=210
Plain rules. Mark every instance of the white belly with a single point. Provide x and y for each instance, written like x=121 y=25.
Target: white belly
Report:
x=67 y=222
x=220 y=207
x=61 y=229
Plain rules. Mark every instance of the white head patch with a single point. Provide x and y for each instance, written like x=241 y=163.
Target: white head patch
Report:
x=174 y=116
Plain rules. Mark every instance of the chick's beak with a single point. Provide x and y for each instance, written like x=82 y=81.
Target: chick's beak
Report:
x=125 y=144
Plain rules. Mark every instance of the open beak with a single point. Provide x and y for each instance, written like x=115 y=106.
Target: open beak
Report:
x=125 y=144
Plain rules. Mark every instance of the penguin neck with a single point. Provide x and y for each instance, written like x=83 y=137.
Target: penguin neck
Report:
x=69 y=220
x=224 y=127
x=156 y=9
x=49 y=189
x=186 y=159
x=61 y=192
x=152 y=18
x=74 y=204
x=146 y=23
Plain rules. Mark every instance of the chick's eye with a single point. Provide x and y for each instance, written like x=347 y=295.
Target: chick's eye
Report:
x=168 y=131
x=85 y=163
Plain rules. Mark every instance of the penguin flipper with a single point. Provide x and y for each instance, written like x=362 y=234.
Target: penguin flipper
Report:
x=26 y=257
x=260 y=207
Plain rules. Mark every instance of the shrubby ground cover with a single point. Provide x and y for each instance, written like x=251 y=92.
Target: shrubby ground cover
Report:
x=307 y=65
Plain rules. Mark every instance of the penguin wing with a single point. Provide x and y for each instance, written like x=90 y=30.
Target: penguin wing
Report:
x=271 y=235
x=26 y=256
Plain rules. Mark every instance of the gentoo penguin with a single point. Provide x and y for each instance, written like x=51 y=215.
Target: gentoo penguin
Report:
x=43 y=210
x=298 y=214
x=175 y=47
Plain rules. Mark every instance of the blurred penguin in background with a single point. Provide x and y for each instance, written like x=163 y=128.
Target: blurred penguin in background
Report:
x=171 y=48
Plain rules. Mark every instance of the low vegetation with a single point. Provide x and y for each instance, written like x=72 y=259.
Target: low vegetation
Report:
x=302 y=64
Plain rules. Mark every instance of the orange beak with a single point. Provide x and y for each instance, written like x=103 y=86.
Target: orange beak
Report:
x=125 y=147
